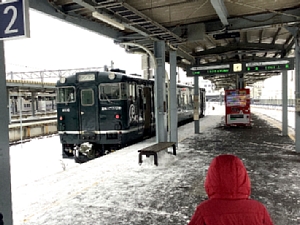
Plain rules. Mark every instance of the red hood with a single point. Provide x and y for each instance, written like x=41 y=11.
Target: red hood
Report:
x=227 y=178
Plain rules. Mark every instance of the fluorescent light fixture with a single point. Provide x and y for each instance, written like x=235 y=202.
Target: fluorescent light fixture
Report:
x=108 y=20
x=185 y=61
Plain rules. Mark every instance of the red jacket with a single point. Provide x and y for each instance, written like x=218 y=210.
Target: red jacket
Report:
x=228 y=187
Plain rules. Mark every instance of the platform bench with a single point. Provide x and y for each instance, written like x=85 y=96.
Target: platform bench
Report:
x=154 y=149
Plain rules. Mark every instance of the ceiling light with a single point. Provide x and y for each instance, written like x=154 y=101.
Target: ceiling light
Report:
x=185 y=61
x=108 y=20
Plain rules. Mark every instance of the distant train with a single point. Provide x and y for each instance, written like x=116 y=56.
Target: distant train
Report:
x=104 y=111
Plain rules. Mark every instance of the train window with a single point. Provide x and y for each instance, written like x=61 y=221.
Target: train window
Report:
x=132 y=92
x=112 y=91
x=87 y=97
x=124 y=91
x=65 y=94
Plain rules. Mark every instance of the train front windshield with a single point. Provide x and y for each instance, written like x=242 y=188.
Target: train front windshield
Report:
x=65 y=94
x=113 y=91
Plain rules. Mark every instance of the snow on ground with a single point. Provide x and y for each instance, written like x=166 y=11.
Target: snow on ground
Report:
x=273 y=115
x=109 y=188
x=37 y=164
x=275 y=112
x=40 y=157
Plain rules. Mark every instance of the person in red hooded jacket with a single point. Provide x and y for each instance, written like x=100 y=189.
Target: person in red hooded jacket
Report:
x=228 y=188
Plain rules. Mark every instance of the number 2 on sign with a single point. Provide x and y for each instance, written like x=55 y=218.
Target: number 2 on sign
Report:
x=8 y=29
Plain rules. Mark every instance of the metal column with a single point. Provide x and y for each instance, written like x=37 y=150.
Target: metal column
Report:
x=284 y=104
x=20 y=105
x=160 y=92
x=196 y=105
x=173 y=99
x=196 y=101
x=36 y=103
x=240 y=84
x=33 y=94
x=297 y=90
x=5 y=181
x=9 y=105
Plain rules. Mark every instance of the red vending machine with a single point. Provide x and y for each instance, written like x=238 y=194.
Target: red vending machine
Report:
x=237 y=103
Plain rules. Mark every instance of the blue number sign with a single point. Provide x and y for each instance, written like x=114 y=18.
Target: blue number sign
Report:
x=14 y=19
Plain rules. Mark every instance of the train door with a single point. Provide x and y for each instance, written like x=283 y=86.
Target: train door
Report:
x=147 y=110
x=140 y=109
x=88 y=109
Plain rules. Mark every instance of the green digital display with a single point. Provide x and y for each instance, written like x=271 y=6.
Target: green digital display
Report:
x=269 y=68
x=196 y=73
x=206 y=72
x=218 y=71
x=210 y=70
x=242 y=67
x=278 y=65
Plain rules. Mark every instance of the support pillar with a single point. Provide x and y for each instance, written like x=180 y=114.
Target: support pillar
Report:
x=196 y=102
x=148 y=67
x=36 y=103
x=196 y=105
x=33 y=94
x=160 y=92
x=9 y=105
x=5 y=181
x=53 y=104
x=173 y=130
x=240 y=84
x=284 y=104
x=20 y=106
x=297 y=91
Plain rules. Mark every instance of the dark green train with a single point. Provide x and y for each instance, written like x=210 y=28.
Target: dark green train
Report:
x=102 y=111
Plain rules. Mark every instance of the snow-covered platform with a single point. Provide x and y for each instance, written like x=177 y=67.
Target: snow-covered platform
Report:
x=115 y=189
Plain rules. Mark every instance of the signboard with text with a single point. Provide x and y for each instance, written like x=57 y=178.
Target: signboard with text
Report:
x=273 y=65
x=203 y=70
x=278 y=65
x=14 y=19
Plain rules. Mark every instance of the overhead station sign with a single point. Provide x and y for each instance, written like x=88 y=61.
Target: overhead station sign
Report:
x=277 y=65
x=243 y=67
x=14 y=19
x=210 y=70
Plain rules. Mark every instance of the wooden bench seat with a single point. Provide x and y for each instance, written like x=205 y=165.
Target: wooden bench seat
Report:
x=154 y=149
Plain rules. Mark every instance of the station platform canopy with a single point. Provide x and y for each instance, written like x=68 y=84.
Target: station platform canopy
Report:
x=203 y=32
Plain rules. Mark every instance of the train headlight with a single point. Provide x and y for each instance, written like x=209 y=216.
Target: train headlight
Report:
x=62 y=80
x=117 y=116
x=111 y=76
